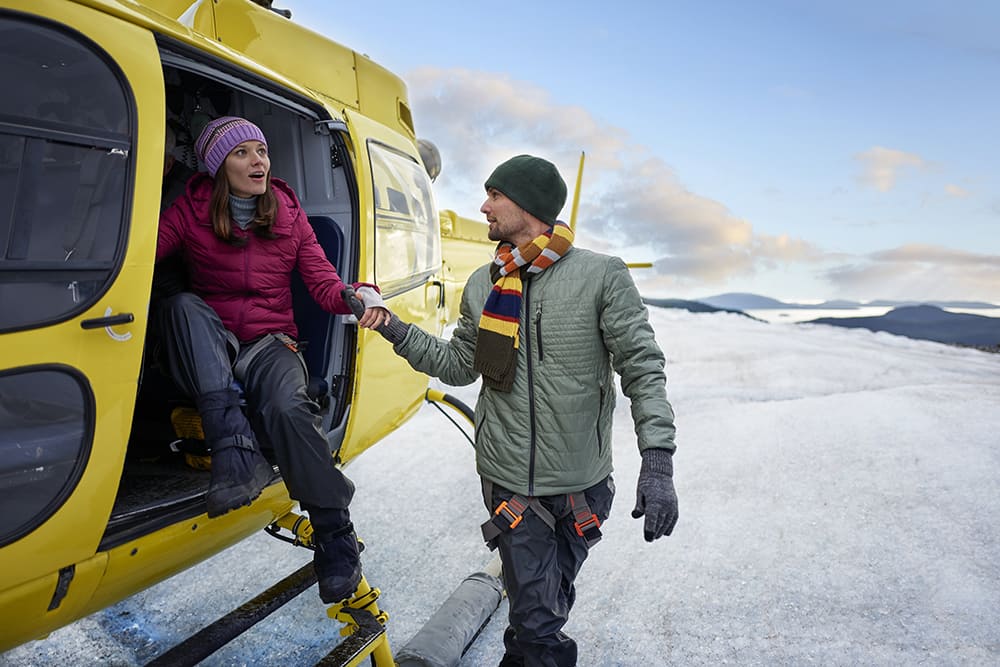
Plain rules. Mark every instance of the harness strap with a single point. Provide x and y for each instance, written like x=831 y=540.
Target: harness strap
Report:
x=510 y=512
x=587 y=525
x=248 y=353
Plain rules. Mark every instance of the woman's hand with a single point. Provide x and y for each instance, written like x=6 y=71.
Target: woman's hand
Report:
x=374 y=317
x=376 y=314
x=370 y=311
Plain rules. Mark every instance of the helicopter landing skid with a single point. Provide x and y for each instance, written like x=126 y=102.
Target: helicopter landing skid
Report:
x=364 y=633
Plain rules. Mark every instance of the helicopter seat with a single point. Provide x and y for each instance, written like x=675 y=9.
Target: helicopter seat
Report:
x=316 y=326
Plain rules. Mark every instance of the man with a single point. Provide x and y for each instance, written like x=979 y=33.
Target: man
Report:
x=544 y=325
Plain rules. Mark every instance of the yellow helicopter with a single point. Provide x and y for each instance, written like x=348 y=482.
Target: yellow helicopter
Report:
x=96 y=504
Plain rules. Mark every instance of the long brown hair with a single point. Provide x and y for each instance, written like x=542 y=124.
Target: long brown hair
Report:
x=222 y=224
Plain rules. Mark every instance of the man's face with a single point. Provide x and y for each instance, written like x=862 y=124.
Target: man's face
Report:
x=247 y=168
x=508 y=221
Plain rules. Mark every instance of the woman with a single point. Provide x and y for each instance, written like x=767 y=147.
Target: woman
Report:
x=241 y=233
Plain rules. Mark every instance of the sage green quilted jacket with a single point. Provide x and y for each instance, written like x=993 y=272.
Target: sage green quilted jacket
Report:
x=580 y=318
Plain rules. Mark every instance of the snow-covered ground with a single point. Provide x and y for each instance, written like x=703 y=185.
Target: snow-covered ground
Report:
x=838 y=506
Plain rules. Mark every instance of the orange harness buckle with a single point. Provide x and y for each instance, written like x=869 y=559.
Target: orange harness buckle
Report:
x=511 y=510
x=586 y=524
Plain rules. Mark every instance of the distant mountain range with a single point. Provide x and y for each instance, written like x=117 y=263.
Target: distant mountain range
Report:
x=922 y=322
x=927 y=323
x=692 y=306
x=747 y=301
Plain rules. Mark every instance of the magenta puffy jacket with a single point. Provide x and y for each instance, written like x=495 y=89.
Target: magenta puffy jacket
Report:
x=250 y=286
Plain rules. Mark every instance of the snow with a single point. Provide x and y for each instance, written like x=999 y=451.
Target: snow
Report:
x=838 y=504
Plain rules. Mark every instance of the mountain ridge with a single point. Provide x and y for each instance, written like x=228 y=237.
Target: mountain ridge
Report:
x=927 y=322
x=751 y=301
x=920 y=322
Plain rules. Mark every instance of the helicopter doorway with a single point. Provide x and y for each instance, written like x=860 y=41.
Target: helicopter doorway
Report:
x=165 y=476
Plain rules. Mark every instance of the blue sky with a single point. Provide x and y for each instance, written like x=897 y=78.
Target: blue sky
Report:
x=802 y=150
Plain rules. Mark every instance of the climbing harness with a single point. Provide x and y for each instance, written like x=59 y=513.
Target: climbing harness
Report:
x=509 y=514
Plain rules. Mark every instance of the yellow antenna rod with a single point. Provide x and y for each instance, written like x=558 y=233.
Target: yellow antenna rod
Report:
x=576 y=195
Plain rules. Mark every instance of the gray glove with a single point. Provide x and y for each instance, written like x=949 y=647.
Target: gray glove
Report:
x=393 y=331
x=655 y=496
x=370 y=297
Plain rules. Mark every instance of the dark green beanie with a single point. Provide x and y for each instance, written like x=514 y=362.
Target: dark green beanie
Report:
x=533 y=184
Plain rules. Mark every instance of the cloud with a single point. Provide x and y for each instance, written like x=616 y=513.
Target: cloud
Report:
x=479 y=119
x=881 y=166
x=929 y=254
x=956 y=190
x=633 y=203
x=630 y=196
x=918 y=271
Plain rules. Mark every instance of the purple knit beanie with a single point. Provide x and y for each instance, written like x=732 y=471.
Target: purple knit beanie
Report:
x=221 y=136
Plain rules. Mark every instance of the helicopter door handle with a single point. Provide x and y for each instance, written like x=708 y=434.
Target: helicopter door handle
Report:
x=440 y=286
x=108 y=321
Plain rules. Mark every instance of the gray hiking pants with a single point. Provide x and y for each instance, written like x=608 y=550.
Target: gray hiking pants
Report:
x=539 y=570
x=201 y=355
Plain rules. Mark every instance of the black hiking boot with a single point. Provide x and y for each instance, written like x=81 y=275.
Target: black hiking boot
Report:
x=337 y=563
x=239 y=473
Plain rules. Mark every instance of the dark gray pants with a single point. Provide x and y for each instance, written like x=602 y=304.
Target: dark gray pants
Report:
x=539 y=570
x=201 y=355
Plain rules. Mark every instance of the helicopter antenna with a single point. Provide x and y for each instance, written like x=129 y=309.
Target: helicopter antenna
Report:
x=576 y=193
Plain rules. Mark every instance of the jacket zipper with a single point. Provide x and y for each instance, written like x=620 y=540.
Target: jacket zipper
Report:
x=531 y=390
x=246 y=279
x=538 y=331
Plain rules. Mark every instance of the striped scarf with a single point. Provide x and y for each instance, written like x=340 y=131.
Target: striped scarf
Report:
x=498 y=327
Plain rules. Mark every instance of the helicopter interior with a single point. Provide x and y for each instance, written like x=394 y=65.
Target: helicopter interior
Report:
x=161 y=481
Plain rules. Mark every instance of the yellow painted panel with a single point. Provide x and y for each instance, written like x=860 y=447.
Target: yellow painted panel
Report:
x=381 y=94
x=24 y=612
x=465 y=247
x=110 y=363
x=301 y=55
x=150 y=559
x=198 y=16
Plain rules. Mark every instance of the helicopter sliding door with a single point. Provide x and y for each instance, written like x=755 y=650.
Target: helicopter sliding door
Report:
x=76 y=252
x=401 y=252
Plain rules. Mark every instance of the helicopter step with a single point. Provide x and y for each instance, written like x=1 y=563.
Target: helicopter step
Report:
x=364 y=623
x=211 y=638
x=365 y=630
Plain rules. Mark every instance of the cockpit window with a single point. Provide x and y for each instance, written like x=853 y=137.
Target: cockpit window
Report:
x=407 y=238
x=65 y=156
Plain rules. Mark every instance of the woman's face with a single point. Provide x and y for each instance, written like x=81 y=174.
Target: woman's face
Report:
x=247 y=169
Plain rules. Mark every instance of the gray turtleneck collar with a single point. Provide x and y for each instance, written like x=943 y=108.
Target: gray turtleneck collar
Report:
x=242 y=210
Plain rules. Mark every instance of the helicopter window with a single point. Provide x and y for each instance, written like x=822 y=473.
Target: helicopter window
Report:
x=397 y=202
x=46 y=425
x=64 y=157
x=407 y=245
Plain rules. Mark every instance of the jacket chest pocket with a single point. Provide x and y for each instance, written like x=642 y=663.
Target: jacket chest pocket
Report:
x=600 y=411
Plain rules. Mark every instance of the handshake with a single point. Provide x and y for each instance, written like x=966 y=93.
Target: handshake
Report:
x=392 y=328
